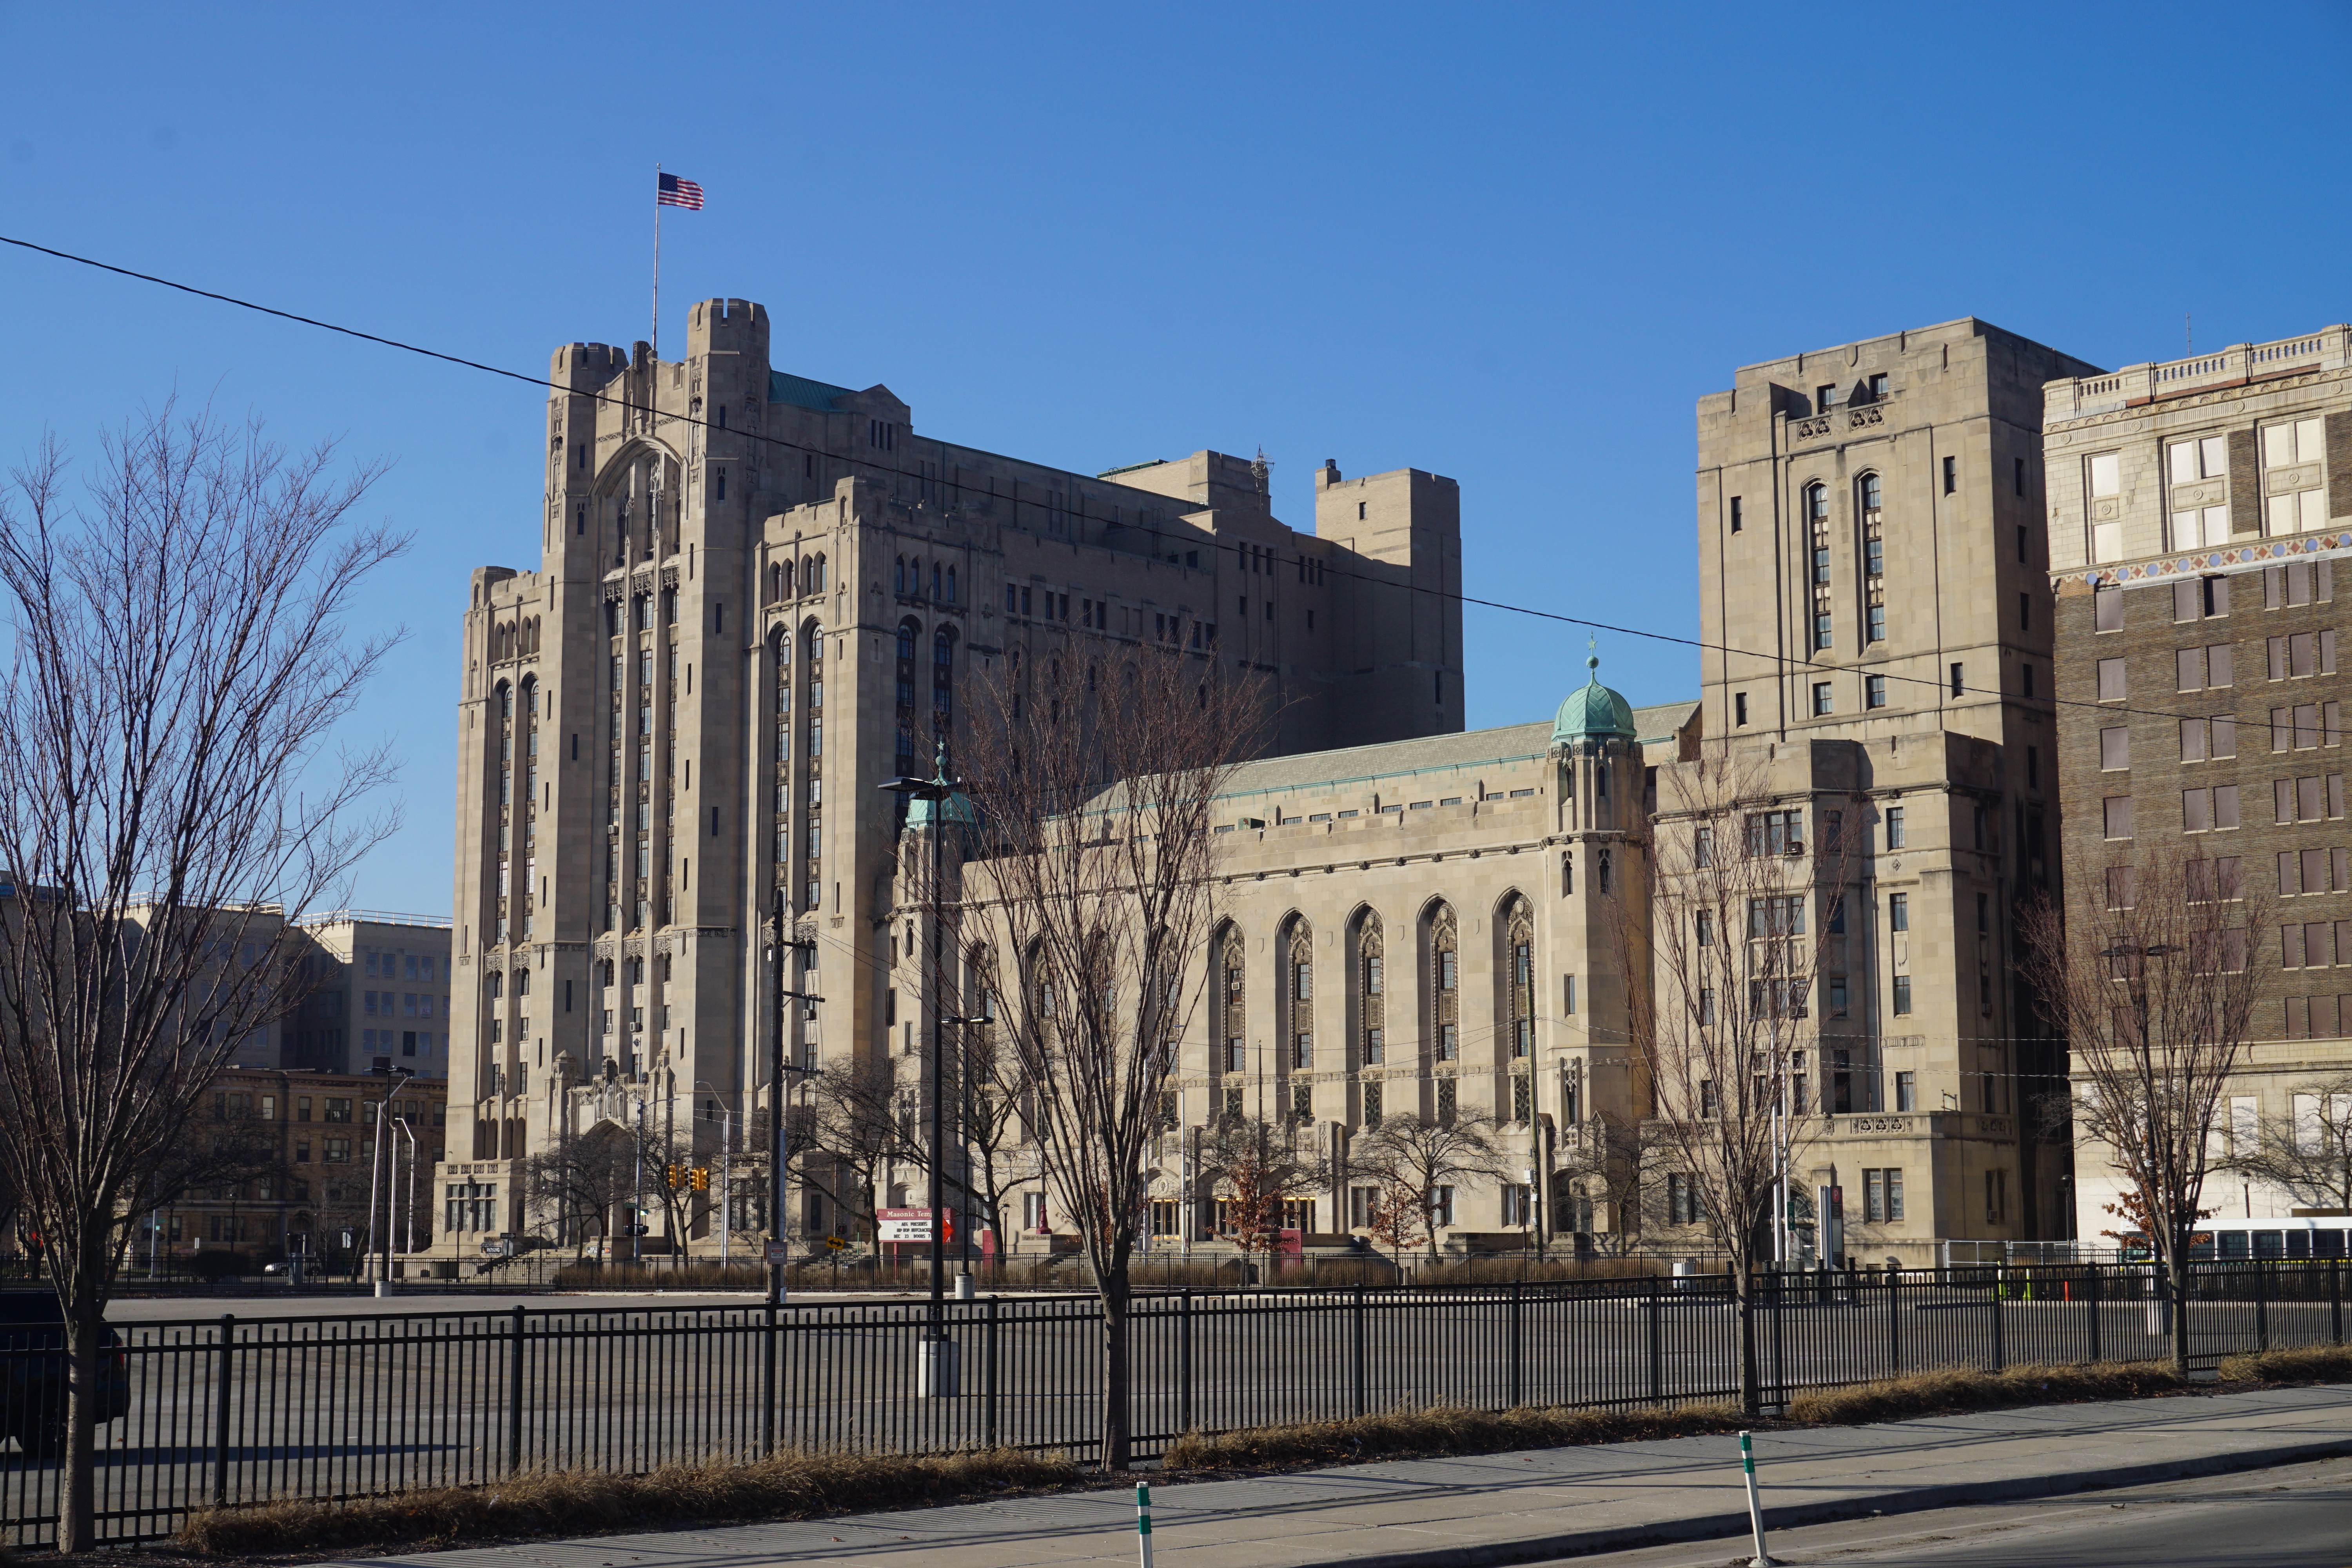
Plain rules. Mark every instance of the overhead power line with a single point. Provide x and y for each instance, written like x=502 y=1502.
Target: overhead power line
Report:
x=1788 y=662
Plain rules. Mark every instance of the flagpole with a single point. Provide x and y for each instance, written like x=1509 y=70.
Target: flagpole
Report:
x=655 y=344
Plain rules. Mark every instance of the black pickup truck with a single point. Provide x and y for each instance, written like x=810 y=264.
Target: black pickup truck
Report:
x=33 y=1373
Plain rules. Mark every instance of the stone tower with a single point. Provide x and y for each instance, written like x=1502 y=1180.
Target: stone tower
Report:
x=759 y=597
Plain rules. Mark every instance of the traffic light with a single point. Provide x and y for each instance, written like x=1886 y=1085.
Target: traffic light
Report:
x=677 y=1177
x=700 y=1178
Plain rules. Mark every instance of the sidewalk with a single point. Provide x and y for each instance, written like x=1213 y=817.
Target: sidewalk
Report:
x=1524 y=1506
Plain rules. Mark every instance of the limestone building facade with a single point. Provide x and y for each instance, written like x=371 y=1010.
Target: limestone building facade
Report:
x=2200 y=512
x=1875 y=610
x=758 y=597
x=1426 y=928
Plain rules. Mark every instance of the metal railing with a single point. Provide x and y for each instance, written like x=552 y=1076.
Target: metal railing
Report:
x=225 y=1411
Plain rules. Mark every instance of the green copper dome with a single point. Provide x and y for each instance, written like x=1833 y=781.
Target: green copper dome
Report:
x=1592 y=712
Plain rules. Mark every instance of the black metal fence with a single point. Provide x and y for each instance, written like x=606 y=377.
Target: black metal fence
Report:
x=230 y=1411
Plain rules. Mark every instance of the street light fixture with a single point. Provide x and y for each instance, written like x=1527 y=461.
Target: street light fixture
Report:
x=386 y=1197
x=939 y=1352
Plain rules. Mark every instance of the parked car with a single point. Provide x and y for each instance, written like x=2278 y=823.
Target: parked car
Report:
x=33 y=1373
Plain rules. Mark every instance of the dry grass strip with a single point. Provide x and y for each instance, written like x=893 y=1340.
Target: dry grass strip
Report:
x=810 y=1485
x=2316 y=1363
x=1437 y=1430
x=582 y=1502
x=1953 y=1390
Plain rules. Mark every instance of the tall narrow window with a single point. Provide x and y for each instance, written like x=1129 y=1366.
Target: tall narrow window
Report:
x=1445 y=1000
x=1372 y=1002
x=2103 y=481
x=1521 y=998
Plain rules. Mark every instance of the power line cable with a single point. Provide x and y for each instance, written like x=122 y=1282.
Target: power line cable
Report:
x=1786 y=662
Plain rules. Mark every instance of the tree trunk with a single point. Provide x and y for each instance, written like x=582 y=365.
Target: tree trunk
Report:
x=1116 y=1440
x=1751 y=1390
x=2176 y=1285
x=77 y=1515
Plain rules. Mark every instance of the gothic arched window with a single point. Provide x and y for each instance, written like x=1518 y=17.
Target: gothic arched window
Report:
x=1371 y=991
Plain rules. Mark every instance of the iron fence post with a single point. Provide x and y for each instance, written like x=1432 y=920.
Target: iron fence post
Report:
x=223 y=1376
x=768 y=1381
x=1894 y=1322
x=1356 y=1322
x=1775 y=1280
x=514 y=1396
x=2091 y=1294
x=1516 y=1320
x=1658 y=1346
x=1999 y=1359
x=988 y=1354
x=2336 y=1298
x=2262 y=1307
x=1184 y=1361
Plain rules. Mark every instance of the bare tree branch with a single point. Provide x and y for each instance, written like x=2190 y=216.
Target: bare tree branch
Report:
x=1096 y=784
x=2150 y=979
x=177 y=662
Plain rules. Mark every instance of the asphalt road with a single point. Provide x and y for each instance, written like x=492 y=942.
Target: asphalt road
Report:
x=2296 y=1517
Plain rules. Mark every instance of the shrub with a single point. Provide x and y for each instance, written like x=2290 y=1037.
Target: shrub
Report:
x=2314 y=1363
x=571 y=1502
x=1437 y=1430
x=1951 y=1390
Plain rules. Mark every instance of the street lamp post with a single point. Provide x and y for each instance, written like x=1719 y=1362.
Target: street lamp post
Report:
x=938 y=1353
x=382 y=1201
x=726 y=1145
x=637 y=1190
x=779 y=1071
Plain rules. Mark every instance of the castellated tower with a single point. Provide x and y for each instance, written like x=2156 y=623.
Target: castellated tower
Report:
x=758 y=597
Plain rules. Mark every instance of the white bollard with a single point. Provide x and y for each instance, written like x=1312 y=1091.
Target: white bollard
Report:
x=1143 y=1524
x=1755 y=1508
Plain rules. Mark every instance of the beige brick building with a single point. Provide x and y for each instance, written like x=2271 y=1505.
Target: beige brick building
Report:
x=1876 y=610
x=2198 y=511
x=757 y=594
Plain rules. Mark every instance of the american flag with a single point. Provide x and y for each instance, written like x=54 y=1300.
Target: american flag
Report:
x=673 y=192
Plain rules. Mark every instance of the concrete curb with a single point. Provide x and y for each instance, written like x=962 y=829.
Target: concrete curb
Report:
x=1787 y=1516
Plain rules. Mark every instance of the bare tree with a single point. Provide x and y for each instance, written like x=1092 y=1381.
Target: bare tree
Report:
x=1096 y=786
x=1607 y=1162
x=2149 y=979
x=993 y=1089
x=1729 y=919
x=1263 y=1167
x=1418 y=1161
x=2307 y=1152
x=860 y=1125
x=577 y=1183
x=176 y=663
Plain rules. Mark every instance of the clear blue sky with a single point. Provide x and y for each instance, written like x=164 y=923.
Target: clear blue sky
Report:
x=1511 y=245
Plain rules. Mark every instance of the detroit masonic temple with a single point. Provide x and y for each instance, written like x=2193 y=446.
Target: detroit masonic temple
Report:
x=755 y=591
